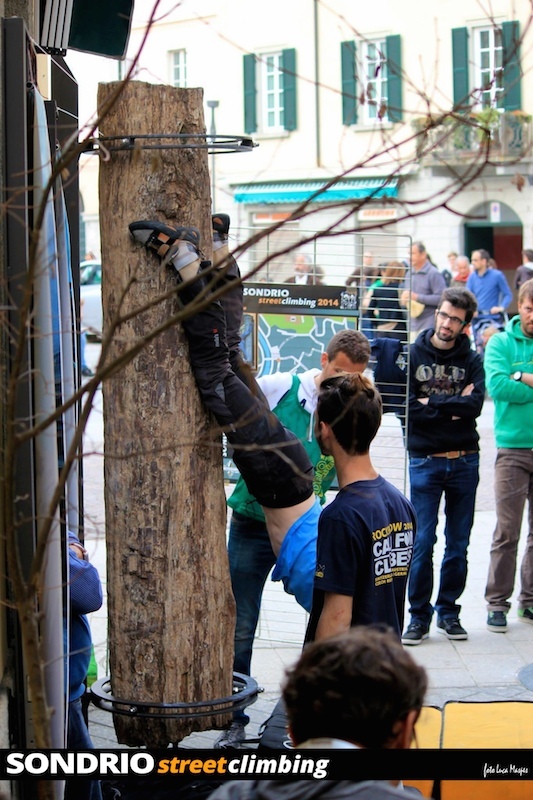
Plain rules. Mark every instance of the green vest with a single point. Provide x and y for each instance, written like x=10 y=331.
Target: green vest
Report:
x=300 y=422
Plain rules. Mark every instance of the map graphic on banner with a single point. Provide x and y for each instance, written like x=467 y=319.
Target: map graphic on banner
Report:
x=286 y=328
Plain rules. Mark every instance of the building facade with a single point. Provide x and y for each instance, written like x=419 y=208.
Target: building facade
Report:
x=396 y=119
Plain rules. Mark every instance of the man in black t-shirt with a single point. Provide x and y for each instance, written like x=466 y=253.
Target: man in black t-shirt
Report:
x=365 y=536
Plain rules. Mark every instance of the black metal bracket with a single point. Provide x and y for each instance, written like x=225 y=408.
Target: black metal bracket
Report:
x=245 y=691
x=216 y=143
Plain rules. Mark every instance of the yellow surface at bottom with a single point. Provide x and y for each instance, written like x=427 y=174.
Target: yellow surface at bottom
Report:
x=505 y=725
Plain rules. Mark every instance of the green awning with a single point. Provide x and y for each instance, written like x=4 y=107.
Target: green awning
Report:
x=299 y=192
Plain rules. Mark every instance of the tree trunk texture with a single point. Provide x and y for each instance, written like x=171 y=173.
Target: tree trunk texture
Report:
x=170 y=605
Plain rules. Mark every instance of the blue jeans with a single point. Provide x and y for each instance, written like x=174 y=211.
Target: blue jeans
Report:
x=458 y=479
x=250 y=560
x=83 y=342
x=78 y=738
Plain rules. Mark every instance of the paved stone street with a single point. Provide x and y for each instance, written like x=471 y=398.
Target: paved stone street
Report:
x=485 y=667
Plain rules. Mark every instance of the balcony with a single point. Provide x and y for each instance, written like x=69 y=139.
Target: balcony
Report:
x=497 y=137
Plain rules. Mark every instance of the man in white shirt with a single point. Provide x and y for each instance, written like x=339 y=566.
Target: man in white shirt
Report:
x=304 y=274
x=293 y=398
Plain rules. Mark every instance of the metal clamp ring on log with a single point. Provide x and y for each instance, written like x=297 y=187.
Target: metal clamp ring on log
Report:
x=245 y=691
x=216 y=143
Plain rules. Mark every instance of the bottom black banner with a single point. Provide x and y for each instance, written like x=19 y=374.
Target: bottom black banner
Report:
x=357 y=765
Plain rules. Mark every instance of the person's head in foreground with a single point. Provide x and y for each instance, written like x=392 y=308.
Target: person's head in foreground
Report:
x=349 y=413
x=360 y=686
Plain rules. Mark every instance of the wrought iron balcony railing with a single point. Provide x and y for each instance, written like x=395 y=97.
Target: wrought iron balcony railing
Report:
x=500 y=136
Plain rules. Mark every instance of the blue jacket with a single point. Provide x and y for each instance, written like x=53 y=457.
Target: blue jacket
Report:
x=490 y=289
x=85 y=596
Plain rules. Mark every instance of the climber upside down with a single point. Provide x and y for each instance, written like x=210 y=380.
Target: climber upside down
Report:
x=270 y=458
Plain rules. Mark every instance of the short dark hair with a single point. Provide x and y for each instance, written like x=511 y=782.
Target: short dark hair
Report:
x=483 y=253
x=528 y=254
x=354 y=686
x=420 y=247
x=526 y=291
x=353 y=344
x=352 y=406
x=460 y=298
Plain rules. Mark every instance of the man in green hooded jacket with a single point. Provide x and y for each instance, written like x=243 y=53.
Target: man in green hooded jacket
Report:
x=509 y=372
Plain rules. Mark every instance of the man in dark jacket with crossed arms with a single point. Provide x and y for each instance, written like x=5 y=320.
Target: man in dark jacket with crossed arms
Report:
x=446 y=394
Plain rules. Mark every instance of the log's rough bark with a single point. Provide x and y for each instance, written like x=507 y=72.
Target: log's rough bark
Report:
x=170 y=605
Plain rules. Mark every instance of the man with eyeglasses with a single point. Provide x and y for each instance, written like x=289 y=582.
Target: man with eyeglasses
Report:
x=446 y=394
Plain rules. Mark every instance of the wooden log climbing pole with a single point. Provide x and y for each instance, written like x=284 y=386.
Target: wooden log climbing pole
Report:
x=170 y=604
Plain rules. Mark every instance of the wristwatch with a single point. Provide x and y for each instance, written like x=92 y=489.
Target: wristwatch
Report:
x=517 y=376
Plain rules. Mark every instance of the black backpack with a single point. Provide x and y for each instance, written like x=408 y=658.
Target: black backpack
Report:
x=389 y=361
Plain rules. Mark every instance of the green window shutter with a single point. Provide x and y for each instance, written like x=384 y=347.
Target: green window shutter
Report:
x=349 y=83
x=288 y=65
x=512 y=98
x=461 y=83
x=394 y=78
x=250 y=94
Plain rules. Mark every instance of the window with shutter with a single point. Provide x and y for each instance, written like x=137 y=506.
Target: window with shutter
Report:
x=371 y=73
x=270 y=92
x=489 y=59
x=178 y=68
